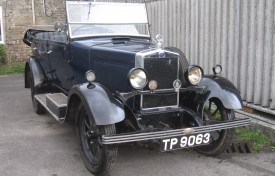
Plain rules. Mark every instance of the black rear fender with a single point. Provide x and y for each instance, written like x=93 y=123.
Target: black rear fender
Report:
x=34 y=68
x=101 y=106
x=219 y=88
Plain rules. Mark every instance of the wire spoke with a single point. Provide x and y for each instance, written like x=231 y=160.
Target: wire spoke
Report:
x=87 y=125
x=209 y=107
x=215 y=112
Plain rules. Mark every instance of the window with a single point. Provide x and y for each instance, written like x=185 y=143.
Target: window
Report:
x=113 y=19
x=1 y=26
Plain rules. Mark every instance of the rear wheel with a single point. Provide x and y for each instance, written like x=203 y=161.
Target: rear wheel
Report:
x=38 y=108
x=220 y=139
x=98 y=158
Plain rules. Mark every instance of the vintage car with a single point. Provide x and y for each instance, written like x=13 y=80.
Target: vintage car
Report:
x=103 y=69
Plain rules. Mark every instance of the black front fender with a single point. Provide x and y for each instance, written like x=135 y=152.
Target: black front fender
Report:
x=221 y=88
x=99 y=102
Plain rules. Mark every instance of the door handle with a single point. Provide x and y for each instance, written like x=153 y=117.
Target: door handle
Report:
x=50 y=52
x=69 y=78
x=35 y=49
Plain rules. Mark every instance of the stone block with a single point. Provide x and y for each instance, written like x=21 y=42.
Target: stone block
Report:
x=18 y=16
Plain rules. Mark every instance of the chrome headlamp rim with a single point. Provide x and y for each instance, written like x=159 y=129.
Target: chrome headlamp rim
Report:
x=129 y=78
x=188 y=71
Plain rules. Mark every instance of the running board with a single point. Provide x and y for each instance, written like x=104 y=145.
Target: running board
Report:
x=55 y=104
x=143 y=136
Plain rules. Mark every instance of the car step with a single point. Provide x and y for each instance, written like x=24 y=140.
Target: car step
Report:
x=55 y=104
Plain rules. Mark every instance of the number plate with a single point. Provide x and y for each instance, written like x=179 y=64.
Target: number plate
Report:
x=179 y=142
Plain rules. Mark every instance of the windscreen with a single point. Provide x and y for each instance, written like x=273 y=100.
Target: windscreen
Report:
x=94 y=18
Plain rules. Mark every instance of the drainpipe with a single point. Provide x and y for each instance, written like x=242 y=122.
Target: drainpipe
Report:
x=45 y=9
x=33 y=13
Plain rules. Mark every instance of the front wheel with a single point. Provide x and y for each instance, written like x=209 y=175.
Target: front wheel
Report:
x=220 y=139
x=98 y=158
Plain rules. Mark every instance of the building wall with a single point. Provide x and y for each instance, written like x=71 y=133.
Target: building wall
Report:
x=16 y=14
x=17 y=17
x=238 y=34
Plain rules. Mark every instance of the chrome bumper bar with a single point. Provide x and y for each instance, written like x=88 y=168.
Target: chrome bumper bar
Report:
x=123 y=138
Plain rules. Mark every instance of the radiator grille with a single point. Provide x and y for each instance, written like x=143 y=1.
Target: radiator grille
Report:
x=165 y=72
x=151 y=101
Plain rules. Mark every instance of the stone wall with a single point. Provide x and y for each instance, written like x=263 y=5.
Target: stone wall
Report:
x=17 y=18
x=55 y=12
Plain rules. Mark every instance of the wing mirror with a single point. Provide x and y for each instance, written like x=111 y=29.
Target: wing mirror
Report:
x=59 y=27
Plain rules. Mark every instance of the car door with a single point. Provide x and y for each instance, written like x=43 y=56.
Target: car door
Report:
x=39 y=49
x=58 y=58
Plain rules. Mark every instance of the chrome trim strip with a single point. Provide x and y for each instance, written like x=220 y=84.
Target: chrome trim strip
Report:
x=139 y=58
x=161 y=108
x=124 y=138
x=108 y=35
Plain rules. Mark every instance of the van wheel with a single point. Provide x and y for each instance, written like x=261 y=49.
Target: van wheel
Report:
x=98 y=158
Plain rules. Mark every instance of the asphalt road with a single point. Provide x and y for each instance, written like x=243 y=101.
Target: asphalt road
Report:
x=33 y=145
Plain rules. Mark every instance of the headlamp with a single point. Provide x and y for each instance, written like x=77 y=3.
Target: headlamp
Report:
x=137 y=78
x=194 y=74
x=217 y=69
x=90 y=76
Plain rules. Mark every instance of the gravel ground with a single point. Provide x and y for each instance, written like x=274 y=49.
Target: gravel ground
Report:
x=32 y=145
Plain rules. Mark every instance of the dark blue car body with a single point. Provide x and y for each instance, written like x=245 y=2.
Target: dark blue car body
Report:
x=60 y=64
x=168 y=110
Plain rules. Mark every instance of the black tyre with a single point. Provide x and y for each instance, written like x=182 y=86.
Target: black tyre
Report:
x=97 y=158
x=221 y=139
x=38 y=108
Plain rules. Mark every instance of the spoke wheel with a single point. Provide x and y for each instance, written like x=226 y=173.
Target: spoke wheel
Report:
x=38 y=108
x=220 y=139
x=98 y=158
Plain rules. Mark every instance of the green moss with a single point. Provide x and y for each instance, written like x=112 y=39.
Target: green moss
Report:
x=257 y=139
x=2 y=54
x=17 y=68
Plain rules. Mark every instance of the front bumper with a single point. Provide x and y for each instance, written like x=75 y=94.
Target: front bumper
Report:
x=124 y=96
x=133 y=137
